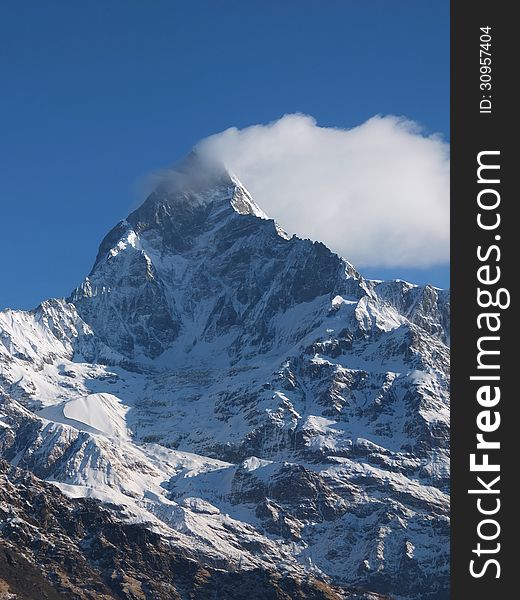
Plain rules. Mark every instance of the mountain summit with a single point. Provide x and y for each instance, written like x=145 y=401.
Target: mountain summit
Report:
x=247 y=395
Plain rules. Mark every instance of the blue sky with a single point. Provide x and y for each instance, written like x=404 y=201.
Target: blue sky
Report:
x=96 y=95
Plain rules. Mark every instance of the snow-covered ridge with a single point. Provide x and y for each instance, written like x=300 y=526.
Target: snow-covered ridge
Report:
x=246 y=391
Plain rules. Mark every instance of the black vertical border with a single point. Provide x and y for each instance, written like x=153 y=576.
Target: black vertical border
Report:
x=472 y=132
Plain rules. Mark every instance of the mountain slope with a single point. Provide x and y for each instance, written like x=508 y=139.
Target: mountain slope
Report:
x=89 y=553
x=247 y=392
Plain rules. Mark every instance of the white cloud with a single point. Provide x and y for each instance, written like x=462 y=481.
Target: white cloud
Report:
x=377 y=194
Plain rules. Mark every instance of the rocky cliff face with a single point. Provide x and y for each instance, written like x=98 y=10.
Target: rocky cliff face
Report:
x=247 y=394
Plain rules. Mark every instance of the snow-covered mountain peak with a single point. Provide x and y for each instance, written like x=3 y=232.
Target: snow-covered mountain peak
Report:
x=248 y=393
x=191 y=199
x=197 y=183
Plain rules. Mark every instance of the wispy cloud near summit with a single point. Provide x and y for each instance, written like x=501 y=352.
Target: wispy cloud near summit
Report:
x=377 y=194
